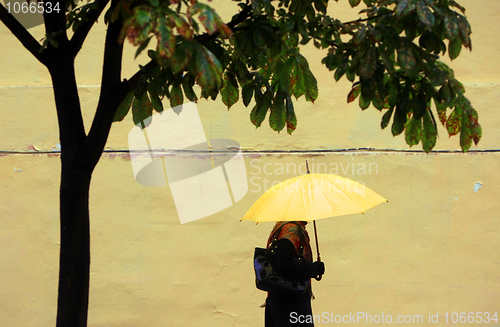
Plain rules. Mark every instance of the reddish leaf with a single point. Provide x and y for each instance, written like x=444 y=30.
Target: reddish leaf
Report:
x=450 y=25
x=425 y=14
x=208 y=69
x=465 y=31
x=454 y=122
x=166 y=38
x=355 y=91
x=441 y=110
x=229 y=91
x=210 y=19
x=182 y=26
x=291 y=119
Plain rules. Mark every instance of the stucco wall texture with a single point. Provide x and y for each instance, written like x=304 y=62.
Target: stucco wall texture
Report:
x=433 y=249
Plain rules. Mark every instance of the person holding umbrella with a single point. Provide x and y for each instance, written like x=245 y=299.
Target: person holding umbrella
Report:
x=292 y=242
x=300 y=200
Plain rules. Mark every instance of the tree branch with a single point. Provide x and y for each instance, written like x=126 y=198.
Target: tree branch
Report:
x=366 y=19
x=82 y=32
x=55 y=21
x=203 y=39
x=112 y=93
x=26 y=39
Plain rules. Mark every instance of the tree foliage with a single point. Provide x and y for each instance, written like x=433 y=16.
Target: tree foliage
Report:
x=391 y=55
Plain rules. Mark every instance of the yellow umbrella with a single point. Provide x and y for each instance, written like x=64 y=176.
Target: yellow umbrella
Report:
x=311 y=197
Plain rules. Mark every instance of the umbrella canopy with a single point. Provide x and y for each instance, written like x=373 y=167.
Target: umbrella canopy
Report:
x=311 y=197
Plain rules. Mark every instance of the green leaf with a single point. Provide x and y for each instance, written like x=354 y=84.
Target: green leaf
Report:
x=454 y=48
x=401 y=6
x=277 y=118
x=310 y=82
x=124 y=107
x=187 y=86
x=181 y=57
x=291 y=119
x=424 y=14
x=444 y=95
x=176 y=96
x=406 y=57
x=386 y=118
x=142 y=109
x=259 y=112
x=413 y=131
x=363 y=104
x=430 y=132
x=388 y=63
x=399 y=121
x=393 y=95
x=369 y=64
x=419 y=105
x=354 y=3
x=368 y=88
x=350 y=74
x=298 y=81
x=378 y=102
x=247 y=93
x=258 y=38
x=229 y=91
x=155 y=100
x=320 y=6
x=208 y=70
x=283 y=72
x=341 y=69
x=142 y=46
x=311 y=85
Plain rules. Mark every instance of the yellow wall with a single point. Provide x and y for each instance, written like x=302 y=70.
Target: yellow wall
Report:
x=432 y=248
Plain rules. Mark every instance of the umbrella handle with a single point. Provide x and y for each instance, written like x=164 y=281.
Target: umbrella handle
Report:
x=318 y=278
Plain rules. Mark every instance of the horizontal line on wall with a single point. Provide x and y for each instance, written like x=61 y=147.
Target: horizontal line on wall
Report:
x=98 y=86
x=302 y=152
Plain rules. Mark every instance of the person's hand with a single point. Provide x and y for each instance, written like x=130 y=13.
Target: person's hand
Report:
x=319 y=268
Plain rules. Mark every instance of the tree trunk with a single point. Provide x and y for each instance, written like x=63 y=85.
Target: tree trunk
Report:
x=74 y=261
